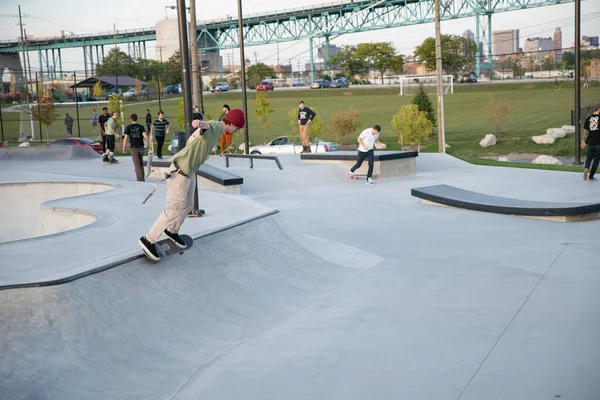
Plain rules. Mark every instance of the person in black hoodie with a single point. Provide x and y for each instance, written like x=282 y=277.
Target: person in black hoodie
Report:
x=591 y=140
x=305 y=116
x=148 y=120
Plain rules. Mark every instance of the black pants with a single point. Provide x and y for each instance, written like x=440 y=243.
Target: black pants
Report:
x=110 y=142
x=137 y=154
x=160 y=140
x=104 y=143
x=593 y=153
x=370 y=156
x=148 y=125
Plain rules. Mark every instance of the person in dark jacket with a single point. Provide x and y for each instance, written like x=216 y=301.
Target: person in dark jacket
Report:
x=305 y=116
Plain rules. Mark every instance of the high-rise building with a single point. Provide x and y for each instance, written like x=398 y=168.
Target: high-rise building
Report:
x=538 y=48
x=469 y=35
x=589 y=42
x=505 y=42
x=557 y=45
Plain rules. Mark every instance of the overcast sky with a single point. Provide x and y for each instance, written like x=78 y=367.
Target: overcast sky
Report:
x=48 y=18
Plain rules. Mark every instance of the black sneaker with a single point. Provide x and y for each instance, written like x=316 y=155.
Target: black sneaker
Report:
x=149 y=249
x=176 y=239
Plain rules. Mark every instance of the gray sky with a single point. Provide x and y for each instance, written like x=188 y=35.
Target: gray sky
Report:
x=48 y=18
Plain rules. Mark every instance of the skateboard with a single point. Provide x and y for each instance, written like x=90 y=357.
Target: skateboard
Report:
x=167 y=247
x=150 y=156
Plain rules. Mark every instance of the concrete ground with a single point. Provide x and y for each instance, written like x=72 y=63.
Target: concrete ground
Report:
x=350 y=291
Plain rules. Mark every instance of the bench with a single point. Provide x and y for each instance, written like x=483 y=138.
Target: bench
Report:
x=387 y=163
x=252 y=157
x=211 y=178
x=455 y=197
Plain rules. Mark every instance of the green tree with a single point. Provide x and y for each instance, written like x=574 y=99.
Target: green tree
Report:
x=343 y=123
x=498 y=113
x=412 y=125
x=263 y=113
x=517 y=67
x=115 y=103
x=548 y=65
x=148 y=70
x=181 y=114
x=171 y=74
x=348 y=61
x=117 y=63
x=424 y=104
x=458 y=53
x=256 y=73
x=44 y=112
x=97 y=89
x=381 y=56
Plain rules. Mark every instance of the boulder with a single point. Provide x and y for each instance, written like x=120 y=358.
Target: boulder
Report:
x=544 y=139
x=488 y=140
x=556 y=132
x=568 y=128
x=546 y=160
x=504 y=159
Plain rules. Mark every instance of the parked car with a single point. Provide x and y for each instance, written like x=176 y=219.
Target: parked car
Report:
x=468 y=78
x=265 y=85
x=339 y=83
x=319 y=84
x=77 y=142
x=220 y=87
x=171 y=89
x=291 y=145
x=131 y=93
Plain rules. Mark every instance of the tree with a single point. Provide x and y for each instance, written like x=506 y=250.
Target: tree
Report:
x=343 y=123
x=117 y=63
x=458 y=53
x=347 y=60
x=517 y=67
x=412 y=125
x=44 y=112
x=115 y=104
x=424 y=104
x=548 y=65
x=263 y=113
x=171 y=74
x=181 y=114
x=97 y=89
x=256 y=73
x=381 y=57
x=498 y=113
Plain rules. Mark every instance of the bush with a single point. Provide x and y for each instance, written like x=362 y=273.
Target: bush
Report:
x=498 y=113
x=424 y=103
x=412 y=125
x=343 y=123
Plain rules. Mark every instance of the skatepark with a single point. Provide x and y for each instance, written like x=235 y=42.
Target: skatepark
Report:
x=305 y=285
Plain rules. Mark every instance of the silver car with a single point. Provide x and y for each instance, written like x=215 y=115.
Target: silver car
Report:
x=291 y=145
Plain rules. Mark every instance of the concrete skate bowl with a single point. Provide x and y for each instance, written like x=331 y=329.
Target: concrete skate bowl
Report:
x=153 y=331
x=48 y=153
x=27 y=211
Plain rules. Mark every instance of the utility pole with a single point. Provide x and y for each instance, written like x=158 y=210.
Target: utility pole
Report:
x=194 y=55
x=243 y=75
x=187 y=93
x=23 y=45
x=440 y=93
x=255 y=58
x=577 y=82
x=158 y=77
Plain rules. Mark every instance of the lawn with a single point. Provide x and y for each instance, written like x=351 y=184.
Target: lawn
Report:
x=534 y=109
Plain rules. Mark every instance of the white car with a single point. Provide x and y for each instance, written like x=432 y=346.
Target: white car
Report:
x=285 y=145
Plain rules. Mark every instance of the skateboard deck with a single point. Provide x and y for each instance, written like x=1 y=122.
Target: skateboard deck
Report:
x=150 y=156
x=167 y=247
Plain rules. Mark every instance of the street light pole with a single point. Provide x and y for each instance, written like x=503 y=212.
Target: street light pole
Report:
x=577 y=82
x=440 y=94
x=243 y=75
x=186 y=88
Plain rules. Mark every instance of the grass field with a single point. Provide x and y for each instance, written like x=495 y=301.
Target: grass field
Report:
x=534 y=109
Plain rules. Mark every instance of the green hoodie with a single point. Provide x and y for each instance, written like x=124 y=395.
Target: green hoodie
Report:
x=195 y=153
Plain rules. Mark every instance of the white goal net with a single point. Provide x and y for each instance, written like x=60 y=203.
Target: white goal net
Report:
x=409 y=84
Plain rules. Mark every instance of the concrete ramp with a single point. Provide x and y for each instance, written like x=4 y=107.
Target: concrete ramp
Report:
x=144 y=330
x=48 y=153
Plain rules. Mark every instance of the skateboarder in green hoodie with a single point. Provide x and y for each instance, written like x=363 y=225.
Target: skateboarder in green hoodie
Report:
x=181 y=183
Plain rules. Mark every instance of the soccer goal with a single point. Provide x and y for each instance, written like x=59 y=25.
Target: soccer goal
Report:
x=409 y=84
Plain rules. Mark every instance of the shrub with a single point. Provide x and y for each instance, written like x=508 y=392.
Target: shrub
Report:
x=498 y=113
x=424 y=103
x=412 y=125
x=343 y=123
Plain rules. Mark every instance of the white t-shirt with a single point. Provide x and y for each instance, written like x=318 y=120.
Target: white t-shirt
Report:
x=368 y=139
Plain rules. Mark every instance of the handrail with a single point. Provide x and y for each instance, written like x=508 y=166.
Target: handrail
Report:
x=251 y=157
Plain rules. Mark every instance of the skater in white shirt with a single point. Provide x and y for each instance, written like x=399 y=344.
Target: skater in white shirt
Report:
x=367 y=139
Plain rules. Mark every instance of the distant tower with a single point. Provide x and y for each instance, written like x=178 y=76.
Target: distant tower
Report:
x=557 y=45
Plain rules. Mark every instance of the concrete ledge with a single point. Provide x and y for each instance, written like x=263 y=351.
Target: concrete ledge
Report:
x=460 y=198
x=387 y=163
x=48 y=153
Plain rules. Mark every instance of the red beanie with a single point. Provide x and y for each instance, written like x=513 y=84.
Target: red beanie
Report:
x=236 y=117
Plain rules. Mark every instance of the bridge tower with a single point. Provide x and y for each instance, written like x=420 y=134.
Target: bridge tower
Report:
x=12 y=62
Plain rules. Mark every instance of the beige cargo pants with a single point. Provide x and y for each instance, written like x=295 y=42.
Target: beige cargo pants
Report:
x=304 y=134
x=180 y=201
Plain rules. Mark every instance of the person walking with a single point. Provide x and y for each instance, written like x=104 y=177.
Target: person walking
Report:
x=182 y=179
x=138 y=138
x=69 y=124
x=591 y=140
x=148 y=120
x=305 y=116
x=160 y=128
x=102 y=121
x=95 y=121
x=367 y=139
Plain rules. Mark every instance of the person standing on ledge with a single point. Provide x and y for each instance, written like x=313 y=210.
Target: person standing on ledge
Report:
x=305 y=116
x=181 y=179
x=591 y=140
x=366 y=140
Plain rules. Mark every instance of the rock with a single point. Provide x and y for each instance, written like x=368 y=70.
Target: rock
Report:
x=568 y=128
x=447 y=146
x=25 y=144
x=556 y=132
x=488 y=140
x=544 y=139
x=504 y=159
x=546 y=160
